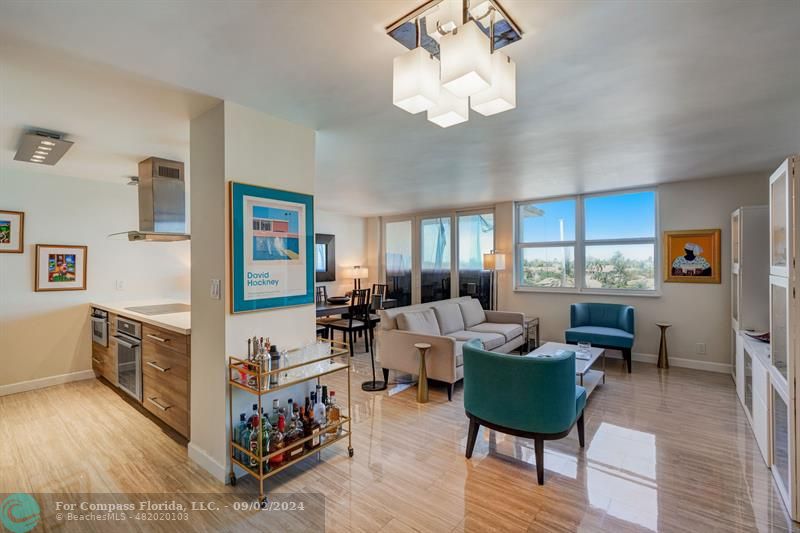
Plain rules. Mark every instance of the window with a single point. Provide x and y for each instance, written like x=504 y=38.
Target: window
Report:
x=475 y=238
x=588 y=243
x=435 y=267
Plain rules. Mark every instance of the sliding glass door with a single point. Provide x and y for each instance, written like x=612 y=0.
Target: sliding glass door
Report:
x=398 y=260
x=435 y=264
x=475 y=238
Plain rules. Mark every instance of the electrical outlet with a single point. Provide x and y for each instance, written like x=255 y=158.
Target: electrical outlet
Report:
x=215 y=289
x=700 y=349
x=119 y=285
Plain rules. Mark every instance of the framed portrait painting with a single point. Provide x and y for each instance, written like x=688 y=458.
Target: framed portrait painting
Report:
x=272 y=248
x=12 y=232
x=692 y=256
x=60 y=268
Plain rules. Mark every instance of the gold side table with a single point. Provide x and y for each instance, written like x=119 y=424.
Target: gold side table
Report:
x=663 y=356
x=422 y=385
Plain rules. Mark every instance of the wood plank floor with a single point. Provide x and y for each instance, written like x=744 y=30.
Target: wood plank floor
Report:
x=667 y=451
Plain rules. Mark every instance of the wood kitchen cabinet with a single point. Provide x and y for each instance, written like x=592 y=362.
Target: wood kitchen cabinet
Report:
x=165 y=376
x=104 y=358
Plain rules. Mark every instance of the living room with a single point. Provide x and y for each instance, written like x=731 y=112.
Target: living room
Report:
x=437 y=265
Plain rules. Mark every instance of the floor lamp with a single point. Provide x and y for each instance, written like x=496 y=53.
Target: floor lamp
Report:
x=495 y=262
x=358 y=273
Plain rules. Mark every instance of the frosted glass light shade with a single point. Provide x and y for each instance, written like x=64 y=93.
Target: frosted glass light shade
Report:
x=450 y=110
x=502 y=94
x=416 y=81
x=466 y=61
x=494 y=261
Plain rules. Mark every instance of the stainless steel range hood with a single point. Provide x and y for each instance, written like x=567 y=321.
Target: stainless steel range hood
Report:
x=162 y=201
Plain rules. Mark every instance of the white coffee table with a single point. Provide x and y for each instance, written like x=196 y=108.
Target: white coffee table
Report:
x=586 y=376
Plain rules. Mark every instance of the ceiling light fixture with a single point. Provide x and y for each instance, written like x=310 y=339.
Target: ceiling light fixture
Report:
x=43 y=147
x=469 y=71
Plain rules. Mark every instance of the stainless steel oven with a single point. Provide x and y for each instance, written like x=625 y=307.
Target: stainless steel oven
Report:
x=99 y=320
x=129 y=356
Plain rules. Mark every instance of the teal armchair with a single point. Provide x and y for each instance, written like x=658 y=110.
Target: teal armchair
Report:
x=603 y=325
x=533 y=398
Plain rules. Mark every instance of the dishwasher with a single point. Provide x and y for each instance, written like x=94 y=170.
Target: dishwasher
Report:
x=129 y=356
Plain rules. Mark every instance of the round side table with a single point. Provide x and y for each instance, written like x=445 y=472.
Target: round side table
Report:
x=422 y=385
x=663 y=356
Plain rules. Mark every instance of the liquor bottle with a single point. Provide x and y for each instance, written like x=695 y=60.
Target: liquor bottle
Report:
x=319 y=410
x=244 y=442
x=313 y=431
x=290 y=413
x=275 y=407
x=254 y=416
x=294 y=432
x=266 y=432
x=276 y=443
x=253 y=446
x=237 y=435
x=334 y=415
x=325 y=395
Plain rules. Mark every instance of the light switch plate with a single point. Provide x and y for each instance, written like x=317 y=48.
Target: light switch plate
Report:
x=701 y=348
x=119 y=284
x=216 y=289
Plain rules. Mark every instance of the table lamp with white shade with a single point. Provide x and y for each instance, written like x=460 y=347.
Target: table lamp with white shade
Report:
x=495 y=262
x=357 y=273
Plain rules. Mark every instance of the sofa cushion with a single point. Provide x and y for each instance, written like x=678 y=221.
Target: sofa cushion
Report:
x=610 y=337
x=509 y=331
x=490 y=340
x=472 y=312
x=419 y=322
x=449 y=317
x=460 y=353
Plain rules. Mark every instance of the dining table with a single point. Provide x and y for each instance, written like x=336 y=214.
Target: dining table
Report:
x=329 y=309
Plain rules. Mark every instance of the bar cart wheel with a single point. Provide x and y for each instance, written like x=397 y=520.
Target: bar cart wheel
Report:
x=263 y=502
x=350 y=451
x=232 y=478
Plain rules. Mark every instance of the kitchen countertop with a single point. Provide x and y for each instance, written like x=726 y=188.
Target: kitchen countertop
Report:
x=177 y=322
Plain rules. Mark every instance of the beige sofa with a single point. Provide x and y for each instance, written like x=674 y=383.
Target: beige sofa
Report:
x=445 y=325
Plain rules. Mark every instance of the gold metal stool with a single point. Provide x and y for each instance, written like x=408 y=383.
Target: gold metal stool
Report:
x=663 y=356
x=422 y=385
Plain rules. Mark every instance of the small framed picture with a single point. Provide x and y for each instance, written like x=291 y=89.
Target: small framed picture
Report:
x=60 y=268
x=692 y=256
x=12 y=232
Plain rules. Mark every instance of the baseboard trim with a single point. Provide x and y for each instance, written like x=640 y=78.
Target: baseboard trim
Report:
x=678 y=362
x=202 y=458
x=41 y=383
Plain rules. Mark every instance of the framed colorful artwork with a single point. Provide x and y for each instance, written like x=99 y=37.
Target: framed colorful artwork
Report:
x=692 y=256
x=272 y=248
x=12 y=232
x=60 y=268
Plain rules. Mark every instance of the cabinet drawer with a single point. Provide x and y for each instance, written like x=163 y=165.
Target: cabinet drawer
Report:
x=161 y=401
x=164 y=362
x=167 y=339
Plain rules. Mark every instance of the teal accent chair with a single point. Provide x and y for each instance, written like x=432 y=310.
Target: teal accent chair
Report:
x=603 y=325
x=528 y=397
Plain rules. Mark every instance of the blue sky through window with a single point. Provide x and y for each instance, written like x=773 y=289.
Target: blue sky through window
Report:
x=620 y=216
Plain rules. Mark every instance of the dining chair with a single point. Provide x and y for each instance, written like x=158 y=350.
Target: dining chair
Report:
x=323 y=322
x=356 y=321
x=322 y=294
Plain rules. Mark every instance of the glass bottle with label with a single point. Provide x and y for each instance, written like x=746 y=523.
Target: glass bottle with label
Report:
x=334 y=415
x=276 y=443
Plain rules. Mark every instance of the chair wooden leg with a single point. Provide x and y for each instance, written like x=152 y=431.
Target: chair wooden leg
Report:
x=351 y=342
x=472 y=435
x=626 y=353
x=386 y=375
x=450 y=387
x=538 y=445
x=581 y=434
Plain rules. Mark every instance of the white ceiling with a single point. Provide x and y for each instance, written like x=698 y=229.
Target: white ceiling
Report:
x=610 y=93
x=115 y=118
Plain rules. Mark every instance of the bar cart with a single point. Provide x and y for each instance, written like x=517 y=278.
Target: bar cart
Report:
x=295 y=367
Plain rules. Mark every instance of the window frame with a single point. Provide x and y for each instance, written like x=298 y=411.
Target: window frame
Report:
x=580 y=244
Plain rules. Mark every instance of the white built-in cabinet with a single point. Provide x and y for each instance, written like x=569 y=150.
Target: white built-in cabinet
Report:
x=750 y=269
x=752 y=387
x=784 y=313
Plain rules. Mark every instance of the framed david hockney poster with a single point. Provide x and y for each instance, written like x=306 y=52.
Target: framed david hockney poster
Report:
x=272 y=248
x=692 y=256
x=12 y=232
x=60 y=268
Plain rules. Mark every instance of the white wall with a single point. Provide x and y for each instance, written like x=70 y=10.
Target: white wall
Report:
x=700 y=313
x=234 y=143
x=351 y=239
x=46 y=334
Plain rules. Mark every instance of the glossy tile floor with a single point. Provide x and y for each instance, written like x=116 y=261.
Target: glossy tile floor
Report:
x=664 y=451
